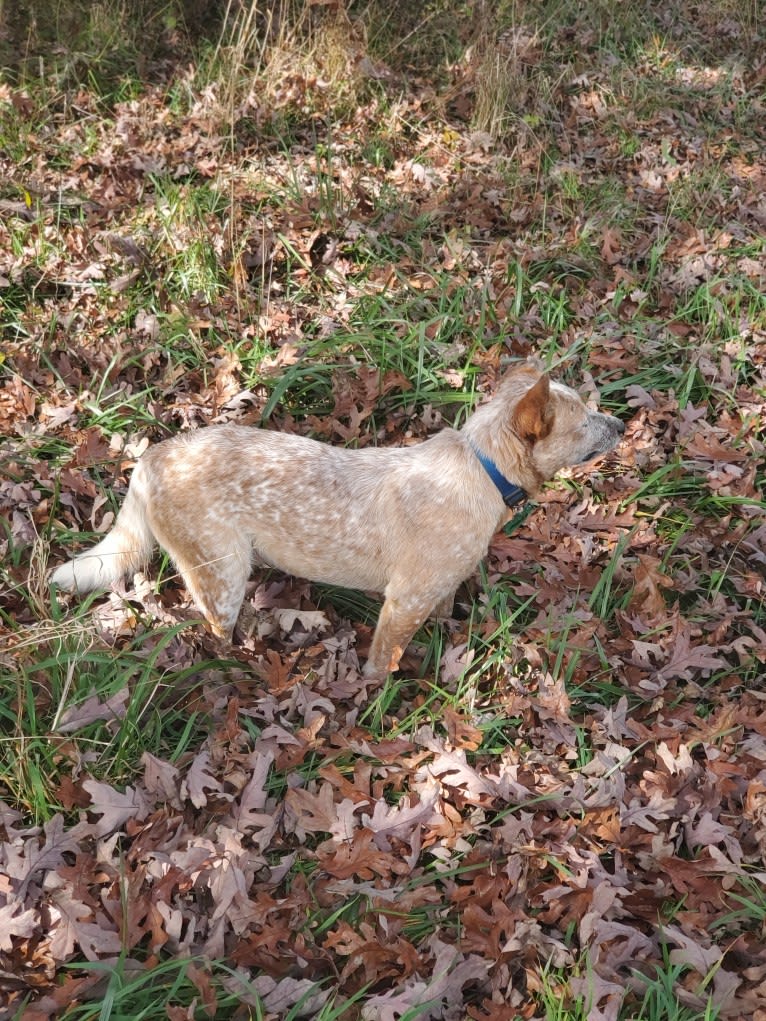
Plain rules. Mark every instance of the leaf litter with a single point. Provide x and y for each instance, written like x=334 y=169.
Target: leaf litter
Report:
x=439 y=866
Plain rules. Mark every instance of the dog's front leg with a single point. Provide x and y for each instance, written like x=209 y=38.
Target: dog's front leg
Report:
x=445 y=606
x=399 y=619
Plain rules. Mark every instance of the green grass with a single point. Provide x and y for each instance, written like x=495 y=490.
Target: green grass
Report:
x=660 y=1000
x=129 y=993
x=143 y=704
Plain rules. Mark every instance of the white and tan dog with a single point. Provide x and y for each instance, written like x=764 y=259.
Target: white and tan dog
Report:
x=411 y=522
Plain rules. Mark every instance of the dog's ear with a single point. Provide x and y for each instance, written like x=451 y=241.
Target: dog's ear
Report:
x=532 y=418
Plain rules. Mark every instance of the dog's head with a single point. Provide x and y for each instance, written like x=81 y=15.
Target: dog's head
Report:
x=554 y=424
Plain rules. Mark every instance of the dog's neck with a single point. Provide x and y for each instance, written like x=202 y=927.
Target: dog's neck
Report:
x=512 y=494
x=488 y=431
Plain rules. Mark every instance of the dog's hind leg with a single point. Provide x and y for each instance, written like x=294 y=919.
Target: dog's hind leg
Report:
x=215 y=574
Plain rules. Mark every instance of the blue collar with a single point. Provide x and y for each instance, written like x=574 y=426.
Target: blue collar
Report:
x=512 y=495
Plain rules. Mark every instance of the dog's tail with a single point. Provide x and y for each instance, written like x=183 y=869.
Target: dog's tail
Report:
x=125 y=549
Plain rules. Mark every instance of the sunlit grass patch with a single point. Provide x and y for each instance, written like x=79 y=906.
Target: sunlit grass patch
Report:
x=79 y=701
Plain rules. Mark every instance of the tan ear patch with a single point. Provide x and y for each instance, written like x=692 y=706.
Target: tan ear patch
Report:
x=533 y=416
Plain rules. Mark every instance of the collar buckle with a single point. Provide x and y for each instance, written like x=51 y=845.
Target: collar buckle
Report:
x=512 y=494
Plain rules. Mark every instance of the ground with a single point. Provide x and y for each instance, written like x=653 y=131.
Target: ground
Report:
x=345 y=220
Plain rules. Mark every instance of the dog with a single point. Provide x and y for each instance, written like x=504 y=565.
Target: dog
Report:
x=409 y=522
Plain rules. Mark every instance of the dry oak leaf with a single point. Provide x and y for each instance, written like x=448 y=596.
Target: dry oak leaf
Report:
x=453 y=664
x=365 y=948
x=227 y=885
x=707 y=831
x=453 y=770
x=92 y=710
x=115 y=808
x=648 y=583
x=641 y=813
x=277 y=997
x=611 y=246
x=73 y=923
x=358 y=857
x=161 y=779
x=708 y=447
x=686 y=660
x=402 y=821
x=706 y=961
x=438 y=997
x=309 y=620
x=604 y=998
x=23 y=861
x=253 y=809
x=318 y=813
x=198 y=780
x=14 y=922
